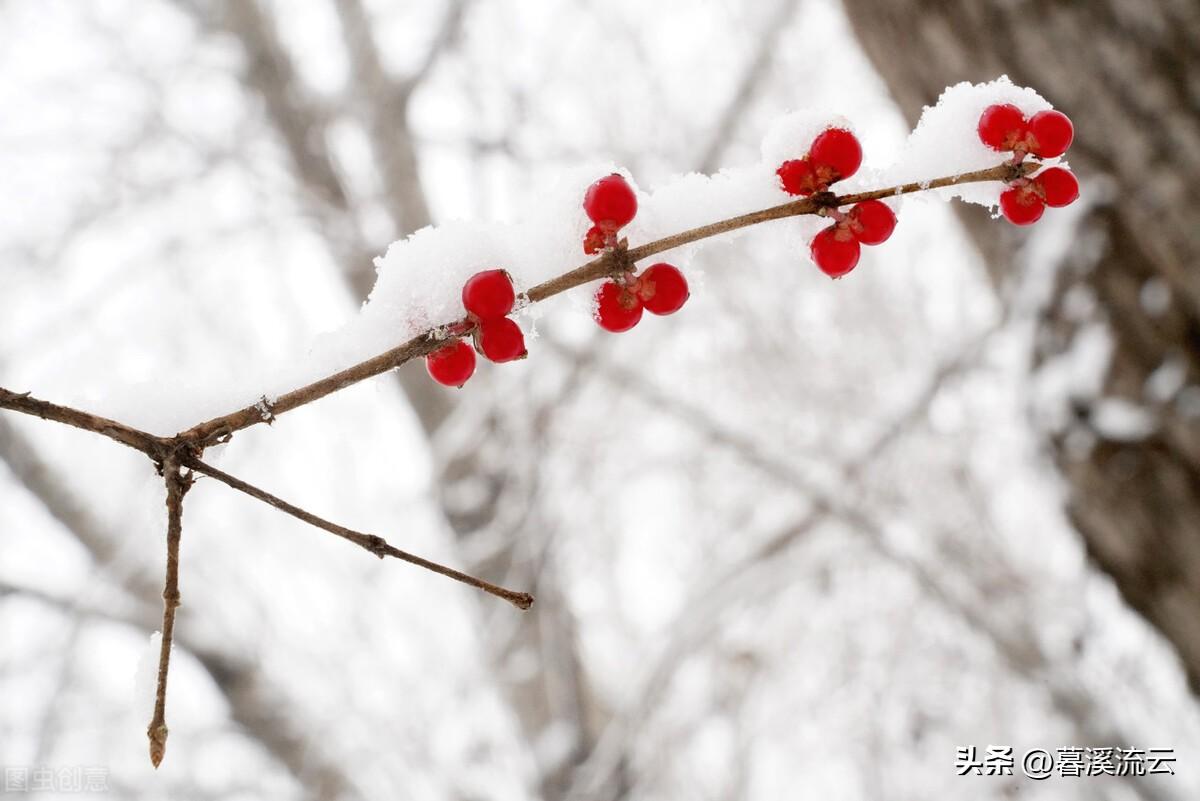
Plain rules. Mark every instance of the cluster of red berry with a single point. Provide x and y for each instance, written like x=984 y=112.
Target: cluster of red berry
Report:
x=833 y=156
x=1045 y=135
x=489 y=298
x=611 y=204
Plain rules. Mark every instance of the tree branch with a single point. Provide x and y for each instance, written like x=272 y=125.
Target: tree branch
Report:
x=25 y=403
x=218 y=428
x=255 y=702
x=177 y=486
x=371 y=542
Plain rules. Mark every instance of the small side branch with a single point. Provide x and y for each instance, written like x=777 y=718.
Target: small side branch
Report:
x=371 y=542
x=177 y=486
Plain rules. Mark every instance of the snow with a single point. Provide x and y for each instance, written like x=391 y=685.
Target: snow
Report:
x=1155 y=297
x=945 y=141
x=1119 y=420
x=1075 y=374
x=420 y=277
x=1167 y=379
x=1188 y=403
x=789 y=136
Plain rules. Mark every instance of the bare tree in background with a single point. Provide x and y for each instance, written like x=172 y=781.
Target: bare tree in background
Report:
x=1126 y=72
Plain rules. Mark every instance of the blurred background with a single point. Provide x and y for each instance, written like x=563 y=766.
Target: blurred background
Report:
x=803 y=540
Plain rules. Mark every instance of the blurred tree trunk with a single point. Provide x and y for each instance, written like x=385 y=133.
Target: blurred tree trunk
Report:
x=1128 y=74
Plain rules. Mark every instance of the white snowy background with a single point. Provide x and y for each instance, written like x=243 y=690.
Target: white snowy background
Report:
x=796 y=541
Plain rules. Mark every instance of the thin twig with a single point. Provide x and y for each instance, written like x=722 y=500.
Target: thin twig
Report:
x=371 y=542
x=177 y=486
x=25 y=403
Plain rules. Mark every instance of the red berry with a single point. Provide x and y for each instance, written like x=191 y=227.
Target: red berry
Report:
x=489 y=294
x=871 y=221
x=1022 y=205
x=451 y=364
x=797 y=177
x=617 y=308
x=837 y=150
x=610 y=203
x=501 y=340
x=1058 y=186
x=662 y=289
x=594 y=240
x=1052 y=133
x=835 y=250
x=1002 y=127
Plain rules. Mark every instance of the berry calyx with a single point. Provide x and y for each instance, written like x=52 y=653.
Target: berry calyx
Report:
x=871 y=221
x=1025 y=199
x=617 y=308
x=489 y=294
x=797 y=177
x=835 y=154
x=500 y=340
x=594 y=241
x=1021 y=203
x=1058 y=186
x=1051 y=132
x=662 y=288
x=451 y=365
x=610 y=203
x=835 y=250
x=1002 y=127
x=1046 y=135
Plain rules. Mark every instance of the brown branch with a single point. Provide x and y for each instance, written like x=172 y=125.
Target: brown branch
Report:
x=207 y=433
x=23 y=402
x=177 y=486
x=371 y=542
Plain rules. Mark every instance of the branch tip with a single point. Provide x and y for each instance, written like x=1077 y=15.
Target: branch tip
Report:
x=158 y=743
